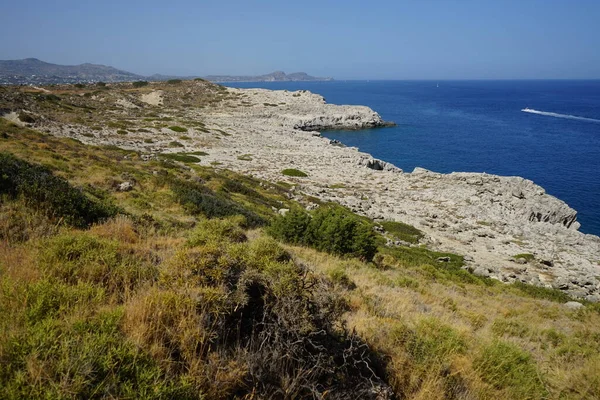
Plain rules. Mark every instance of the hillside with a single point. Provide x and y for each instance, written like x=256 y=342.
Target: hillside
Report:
x=31 y=71
x=277 y=76
x=507 y=228
x=135 y=263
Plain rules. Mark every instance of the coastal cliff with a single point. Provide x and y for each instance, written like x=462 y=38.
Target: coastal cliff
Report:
x=507 y=228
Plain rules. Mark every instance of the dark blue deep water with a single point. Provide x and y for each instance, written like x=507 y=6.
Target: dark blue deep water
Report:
x=478 y=126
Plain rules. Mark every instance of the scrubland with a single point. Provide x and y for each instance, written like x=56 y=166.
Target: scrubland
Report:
x=190 y=284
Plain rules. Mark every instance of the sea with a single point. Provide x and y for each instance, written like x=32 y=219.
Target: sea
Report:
x=545 y=131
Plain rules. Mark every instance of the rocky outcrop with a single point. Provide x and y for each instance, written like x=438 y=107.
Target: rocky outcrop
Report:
x=342 y=118
x=306 y=111
x=377 y=165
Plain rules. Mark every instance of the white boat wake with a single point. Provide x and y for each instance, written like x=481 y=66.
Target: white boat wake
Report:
x=556 y=115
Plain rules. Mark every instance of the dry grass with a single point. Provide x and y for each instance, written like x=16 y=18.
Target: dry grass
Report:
x=435 y=335
x=158 y=303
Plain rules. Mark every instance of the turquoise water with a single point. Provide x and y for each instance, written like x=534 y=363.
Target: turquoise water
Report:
x=479 y=126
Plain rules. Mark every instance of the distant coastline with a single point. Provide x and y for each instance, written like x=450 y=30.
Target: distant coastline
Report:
x=32 y=71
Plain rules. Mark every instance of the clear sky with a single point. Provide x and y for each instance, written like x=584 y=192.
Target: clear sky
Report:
x=412 y=39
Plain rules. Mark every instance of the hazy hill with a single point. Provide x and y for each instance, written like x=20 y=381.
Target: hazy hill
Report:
x=43 y=72
x=277 y=76
x=34 y=71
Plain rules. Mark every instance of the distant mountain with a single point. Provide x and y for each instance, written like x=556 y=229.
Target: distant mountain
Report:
x=277 y=76
x=36 y=71
x=32 y=71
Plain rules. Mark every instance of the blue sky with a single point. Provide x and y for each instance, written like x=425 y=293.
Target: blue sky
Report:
x=415 y=39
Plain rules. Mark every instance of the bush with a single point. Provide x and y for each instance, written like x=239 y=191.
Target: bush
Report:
x=331 y=228
x=74 y=258
x=184 y=158
x=217 y=230
x=53 y=195
x=291 y=228
x=178 y=129
x=538 y=292
x=139 y=84
x=402 y=231
x=199 y=200
x=174 y=81
x=294 y=172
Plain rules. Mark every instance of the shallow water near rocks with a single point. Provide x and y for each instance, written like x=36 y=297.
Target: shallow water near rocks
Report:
x=479 y=126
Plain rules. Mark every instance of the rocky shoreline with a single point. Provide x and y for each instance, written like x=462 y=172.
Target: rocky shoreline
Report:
x=507 y=228
x=489 y=219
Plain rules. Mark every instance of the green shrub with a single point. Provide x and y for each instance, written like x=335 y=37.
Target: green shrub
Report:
x=122 y=132
x=185 y=158
x=139 y=84
x=79 y=85
x=175 y=144
x=538 y=292
x=507 y=367
x=402 y=231
x=199 y=200
x=426 y=261
x=217 y=230
x=291 y=228
x=100 y=84
x=53 y=195
x=178 y=129
x=174 y=81
x=294 y=172
x=331 y=228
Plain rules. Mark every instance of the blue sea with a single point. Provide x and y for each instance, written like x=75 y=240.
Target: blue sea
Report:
x=479 y=126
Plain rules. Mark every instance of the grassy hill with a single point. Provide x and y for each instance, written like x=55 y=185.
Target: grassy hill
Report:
x=122 y=277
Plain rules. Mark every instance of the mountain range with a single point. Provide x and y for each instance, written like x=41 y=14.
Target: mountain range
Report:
x=34 y=71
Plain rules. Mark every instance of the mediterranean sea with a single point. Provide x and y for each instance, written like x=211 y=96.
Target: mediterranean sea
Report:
x=546 y=131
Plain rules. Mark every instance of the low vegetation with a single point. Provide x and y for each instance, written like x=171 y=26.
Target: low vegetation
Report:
x=330 y=228
x=40 y=189
x=181 y=157
x=191 y=286
x=245 y=157
x=178 y=129
x=294 y=172
x=402 y=231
